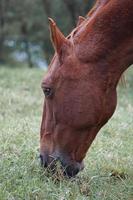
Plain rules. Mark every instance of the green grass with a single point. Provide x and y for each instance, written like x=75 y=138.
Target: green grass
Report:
x=108 y=174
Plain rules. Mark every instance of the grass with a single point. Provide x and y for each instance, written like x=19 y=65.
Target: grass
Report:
x=109 y=163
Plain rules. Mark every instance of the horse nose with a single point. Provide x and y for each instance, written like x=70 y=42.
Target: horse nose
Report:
x=70 y=168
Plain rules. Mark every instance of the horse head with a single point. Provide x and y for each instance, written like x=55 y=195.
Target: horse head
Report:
x=80 y=86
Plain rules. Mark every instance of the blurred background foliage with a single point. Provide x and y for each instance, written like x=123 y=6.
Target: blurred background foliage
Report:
x=24 y=33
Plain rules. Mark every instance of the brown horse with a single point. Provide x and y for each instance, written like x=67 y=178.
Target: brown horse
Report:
x=80 y=86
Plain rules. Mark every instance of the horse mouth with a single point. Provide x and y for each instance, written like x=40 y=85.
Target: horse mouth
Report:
x=60 y=167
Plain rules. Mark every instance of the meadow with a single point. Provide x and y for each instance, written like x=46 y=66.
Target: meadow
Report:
x=108 y=173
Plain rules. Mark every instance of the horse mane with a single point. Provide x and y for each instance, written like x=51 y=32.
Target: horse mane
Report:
x=98 y=4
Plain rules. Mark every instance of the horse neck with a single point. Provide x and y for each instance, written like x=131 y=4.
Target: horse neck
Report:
x=107 y=39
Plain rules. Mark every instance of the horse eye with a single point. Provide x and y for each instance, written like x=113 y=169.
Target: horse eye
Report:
x=48 y=92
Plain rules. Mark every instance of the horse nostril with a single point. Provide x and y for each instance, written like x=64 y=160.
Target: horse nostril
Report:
x=43 y=161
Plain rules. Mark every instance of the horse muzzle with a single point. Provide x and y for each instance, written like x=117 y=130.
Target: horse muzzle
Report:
x=69 y=167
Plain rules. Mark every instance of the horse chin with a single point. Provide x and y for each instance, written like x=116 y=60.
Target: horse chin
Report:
x=72 y=170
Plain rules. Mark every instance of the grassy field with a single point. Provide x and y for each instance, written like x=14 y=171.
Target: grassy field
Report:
x=108 y=174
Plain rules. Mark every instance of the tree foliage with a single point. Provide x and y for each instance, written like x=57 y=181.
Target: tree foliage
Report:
x=26 y=22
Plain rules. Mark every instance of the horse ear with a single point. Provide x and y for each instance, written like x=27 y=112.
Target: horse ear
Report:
x=57 y=37
x=80 y=20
